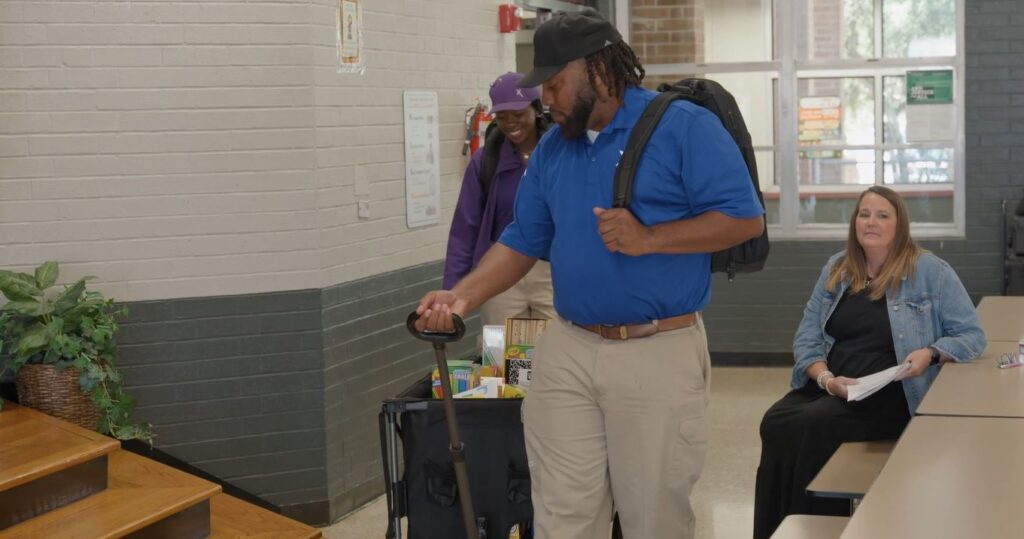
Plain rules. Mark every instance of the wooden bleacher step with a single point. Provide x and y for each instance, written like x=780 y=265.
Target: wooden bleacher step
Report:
x=46 y=463
x=231 y=517
x=143 y=498
x=810 y=527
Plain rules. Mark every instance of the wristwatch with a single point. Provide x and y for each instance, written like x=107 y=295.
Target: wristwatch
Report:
x=935 y=356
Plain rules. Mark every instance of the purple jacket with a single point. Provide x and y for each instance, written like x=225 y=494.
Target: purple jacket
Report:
x=476 y=226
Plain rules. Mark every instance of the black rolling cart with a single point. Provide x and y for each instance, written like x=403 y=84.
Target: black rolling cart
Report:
x=419 y=475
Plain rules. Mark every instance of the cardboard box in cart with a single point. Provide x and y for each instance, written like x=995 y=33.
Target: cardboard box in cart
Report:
x=418 y=472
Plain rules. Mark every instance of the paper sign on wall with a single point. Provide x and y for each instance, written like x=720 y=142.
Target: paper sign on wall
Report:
x=422 y=159
x=930 y=111
x=350 y=37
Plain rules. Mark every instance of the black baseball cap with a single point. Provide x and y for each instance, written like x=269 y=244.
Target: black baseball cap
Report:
x=564 y=38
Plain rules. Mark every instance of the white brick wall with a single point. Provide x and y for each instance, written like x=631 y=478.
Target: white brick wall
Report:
x=451 y=46
x=192 y=148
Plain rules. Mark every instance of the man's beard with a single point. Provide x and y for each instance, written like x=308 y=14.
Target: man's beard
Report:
x=575 y=123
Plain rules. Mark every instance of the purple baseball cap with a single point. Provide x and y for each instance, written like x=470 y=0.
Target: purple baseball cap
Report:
x=507 y=95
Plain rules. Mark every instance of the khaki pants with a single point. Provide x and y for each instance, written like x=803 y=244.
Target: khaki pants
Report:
x=531 y=297
x=620 y=420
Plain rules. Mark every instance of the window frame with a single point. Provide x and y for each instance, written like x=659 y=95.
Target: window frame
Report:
x=787 y=70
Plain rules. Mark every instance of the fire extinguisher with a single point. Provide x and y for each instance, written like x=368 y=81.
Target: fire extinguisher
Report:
x=477 y=120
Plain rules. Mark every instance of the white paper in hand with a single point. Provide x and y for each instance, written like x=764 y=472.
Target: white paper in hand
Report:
x=868 y=385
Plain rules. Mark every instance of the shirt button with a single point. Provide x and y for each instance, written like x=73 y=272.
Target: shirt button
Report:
x=896 y=308
x=901 y=335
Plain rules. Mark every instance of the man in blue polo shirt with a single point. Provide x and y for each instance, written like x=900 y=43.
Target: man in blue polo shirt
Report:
x=615 y=409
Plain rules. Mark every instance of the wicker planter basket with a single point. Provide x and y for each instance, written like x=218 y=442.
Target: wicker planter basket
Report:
x=56 y=393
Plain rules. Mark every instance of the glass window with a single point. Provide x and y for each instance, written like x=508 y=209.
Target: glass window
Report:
x=723 y=21
x=832 y=29
x=755 y=97
x=830 y=110
x=918 y=29
x=931 y=165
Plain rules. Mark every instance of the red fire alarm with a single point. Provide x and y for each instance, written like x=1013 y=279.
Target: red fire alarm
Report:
x=508 y=18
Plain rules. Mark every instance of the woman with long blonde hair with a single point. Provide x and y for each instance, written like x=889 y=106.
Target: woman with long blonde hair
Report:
x=881 y=302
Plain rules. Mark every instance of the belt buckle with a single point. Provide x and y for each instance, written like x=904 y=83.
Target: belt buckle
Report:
x=623 y=333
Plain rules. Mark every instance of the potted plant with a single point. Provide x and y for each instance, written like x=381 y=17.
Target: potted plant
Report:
x=61 y=347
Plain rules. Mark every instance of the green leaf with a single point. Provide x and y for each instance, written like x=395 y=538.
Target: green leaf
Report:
x=70 y=297
x=28 y=307
x=33 y=341
x=46 y=275
x=86 y=383
x=52 y=356
x=16 y=289
x=17 y=275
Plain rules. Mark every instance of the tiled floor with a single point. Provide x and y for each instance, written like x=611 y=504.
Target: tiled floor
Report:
x=723 y=499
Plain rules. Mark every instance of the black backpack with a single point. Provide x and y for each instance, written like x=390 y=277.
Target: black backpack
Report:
x=493 y=139
x=746 y=257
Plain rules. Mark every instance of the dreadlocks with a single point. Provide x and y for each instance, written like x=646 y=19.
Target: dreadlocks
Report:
x=617 y=66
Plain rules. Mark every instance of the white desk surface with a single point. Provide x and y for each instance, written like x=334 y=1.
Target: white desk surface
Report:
x=995 y=349
x=977 y=389
x=1002 y=317
x=948 y=478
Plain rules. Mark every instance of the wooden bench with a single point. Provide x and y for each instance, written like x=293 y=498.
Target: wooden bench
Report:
x=851 y=470
x=810 y=527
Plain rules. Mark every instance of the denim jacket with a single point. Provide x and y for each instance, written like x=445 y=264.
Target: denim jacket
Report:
x=931 y=308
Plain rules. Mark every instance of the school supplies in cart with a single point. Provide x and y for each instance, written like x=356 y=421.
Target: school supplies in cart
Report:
x=520 y=340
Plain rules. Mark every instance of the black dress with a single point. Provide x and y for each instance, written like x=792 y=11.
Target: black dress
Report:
x=800 y=432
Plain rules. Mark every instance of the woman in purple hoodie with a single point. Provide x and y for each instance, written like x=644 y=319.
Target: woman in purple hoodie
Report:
x=480 y=218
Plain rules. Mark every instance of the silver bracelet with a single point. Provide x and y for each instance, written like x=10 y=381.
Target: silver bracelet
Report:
x=821 y=382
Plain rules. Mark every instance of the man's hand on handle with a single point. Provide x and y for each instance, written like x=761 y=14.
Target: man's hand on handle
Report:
x=436 y=309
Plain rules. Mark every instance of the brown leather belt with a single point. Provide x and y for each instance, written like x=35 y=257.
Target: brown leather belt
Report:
x=636 y=331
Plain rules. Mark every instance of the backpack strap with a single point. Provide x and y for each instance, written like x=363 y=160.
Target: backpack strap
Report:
x=638 y=137
x=489 y=160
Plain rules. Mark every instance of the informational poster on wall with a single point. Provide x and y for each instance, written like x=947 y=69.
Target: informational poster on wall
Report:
x=931 y=116
x=819 y=123
x=422 y=159
x=350 y=36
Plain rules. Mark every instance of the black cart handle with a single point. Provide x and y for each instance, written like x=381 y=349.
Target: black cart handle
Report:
x=436 y=336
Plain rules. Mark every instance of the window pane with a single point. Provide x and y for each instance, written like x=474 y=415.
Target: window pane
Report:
x=737 y=31
x=919 y=166
x=836 y=111
x=832 y=113
x=828 y=207
x=916 y=28
x=929 y=206
x=702 y=32
x=769 y=184
x=836 y=167
x=754 y=93
x=771 y=207
x=833 y=29
x=894 y=90
x=766 y=169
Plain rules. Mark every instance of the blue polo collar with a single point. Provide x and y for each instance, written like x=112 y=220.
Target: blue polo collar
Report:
x=633 y=105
